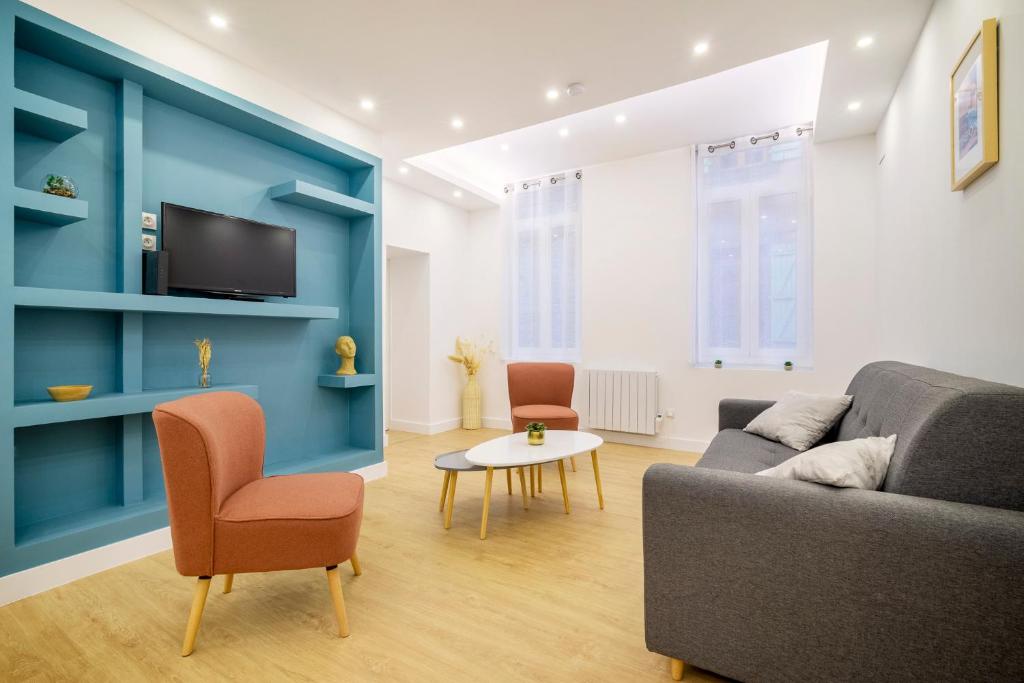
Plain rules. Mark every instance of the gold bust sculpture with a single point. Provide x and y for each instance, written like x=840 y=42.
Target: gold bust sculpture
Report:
x=345 y=347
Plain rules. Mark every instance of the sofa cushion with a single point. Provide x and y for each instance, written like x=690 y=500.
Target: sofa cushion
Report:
x=737 y=451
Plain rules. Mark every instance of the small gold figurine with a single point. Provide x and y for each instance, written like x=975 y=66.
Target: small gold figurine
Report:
x=345 y=347
x=205 y=353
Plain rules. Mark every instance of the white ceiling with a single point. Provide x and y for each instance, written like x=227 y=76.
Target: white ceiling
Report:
x=748 y=99
x=491 y=62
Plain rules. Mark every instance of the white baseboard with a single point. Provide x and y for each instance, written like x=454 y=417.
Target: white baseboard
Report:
x=36 y=580
x=425 y=427
x=497 y=422
x=672 y=443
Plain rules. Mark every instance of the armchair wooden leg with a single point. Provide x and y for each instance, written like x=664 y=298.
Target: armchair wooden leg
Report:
x=572 y=460
x=677 y=668
x=451 y=500
x=338 y=598
x=196 y=615
x=444 y=489
x=229 y=580
x=356 y=568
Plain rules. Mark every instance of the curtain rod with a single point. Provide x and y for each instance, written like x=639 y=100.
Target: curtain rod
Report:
x=527 y=184
x=754 y=139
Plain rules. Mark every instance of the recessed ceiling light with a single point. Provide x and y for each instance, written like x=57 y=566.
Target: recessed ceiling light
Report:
x=404 y=170
x=367 y=104
x=700 y=48
x=218 y=21
x=853 y=106
x=457 y=123
x=620 y=118
x=504 y=147
x=457 y=193
x=552 y=94
x=564 y=132
x=865 y=41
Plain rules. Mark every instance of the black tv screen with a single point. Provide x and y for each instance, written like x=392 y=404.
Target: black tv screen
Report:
x=211 y=252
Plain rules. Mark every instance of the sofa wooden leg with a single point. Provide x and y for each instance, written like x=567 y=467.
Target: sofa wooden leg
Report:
x=229 y=581
x=677 y=668
x=196 y=615
x=338 y=598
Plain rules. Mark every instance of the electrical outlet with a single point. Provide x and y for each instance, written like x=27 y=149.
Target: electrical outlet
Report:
x=670 y=413
x=148 y=242
x=148 y=221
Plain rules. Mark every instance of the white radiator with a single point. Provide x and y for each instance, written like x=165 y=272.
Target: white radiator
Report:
x=623 y=400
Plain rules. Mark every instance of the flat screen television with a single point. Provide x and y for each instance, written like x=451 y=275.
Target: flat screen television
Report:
x=218 y=254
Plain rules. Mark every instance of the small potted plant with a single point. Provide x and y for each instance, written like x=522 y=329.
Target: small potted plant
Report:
x=535 y=433
x=718 y=364
x=60 y=185
x=788 y=365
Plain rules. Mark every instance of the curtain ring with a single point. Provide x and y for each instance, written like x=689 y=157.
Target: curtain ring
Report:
x=554 y=180
x=526 y=186
x=579 y=175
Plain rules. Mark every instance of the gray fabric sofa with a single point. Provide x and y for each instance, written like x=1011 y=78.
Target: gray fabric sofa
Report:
x=764 y=579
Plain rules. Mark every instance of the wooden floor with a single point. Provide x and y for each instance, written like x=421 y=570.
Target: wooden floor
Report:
x=547 y=597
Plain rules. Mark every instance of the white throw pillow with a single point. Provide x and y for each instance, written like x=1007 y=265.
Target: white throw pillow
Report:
x=858 y=463
x=799 y=420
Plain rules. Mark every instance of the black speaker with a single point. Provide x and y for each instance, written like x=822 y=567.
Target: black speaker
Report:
x=154 y=272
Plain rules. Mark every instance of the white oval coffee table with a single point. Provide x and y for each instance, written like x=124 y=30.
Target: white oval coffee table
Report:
x=513 y=451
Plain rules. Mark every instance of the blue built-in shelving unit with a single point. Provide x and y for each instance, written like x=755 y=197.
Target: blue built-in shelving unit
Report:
x=132 y=134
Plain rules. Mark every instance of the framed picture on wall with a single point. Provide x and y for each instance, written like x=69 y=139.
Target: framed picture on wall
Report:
x=974 y=108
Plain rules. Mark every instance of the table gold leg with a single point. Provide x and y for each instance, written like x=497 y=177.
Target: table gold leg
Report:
x=444 y=489
x=565 y=489
x=597 y=479
x=508 y=480
x=572 y=459
x=451 y=500
x=522 y=487
x=540 y=478
x=487 y=503
x=533 y=482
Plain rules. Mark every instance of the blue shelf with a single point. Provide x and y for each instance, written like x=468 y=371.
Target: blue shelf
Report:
x=346 y=381
x=38 y=297
x=29 y=413
x=311 y=196
x=46 y=118
x=346 y=459
x=39 y=207
x=89 y=521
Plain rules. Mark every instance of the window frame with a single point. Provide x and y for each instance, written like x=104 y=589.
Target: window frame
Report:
x=750 y=354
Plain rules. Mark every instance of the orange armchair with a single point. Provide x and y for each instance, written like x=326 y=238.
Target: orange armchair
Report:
x=542 y=392
x=227 y=518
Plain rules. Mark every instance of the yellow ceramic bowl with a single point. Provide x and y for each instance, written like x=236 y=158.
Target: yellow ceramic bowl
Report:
x=70 y=392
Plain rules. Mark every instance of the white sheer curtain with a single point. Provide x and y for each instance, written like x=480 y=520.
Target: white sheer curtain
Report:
x=543 y=282
x=755 y=251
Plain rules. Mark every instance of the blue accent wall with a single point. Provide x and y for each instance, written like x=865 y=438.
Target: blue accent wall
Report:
x=70 y=480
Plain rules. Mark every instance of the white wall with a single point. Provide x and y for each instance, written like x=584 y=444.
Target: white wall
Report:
x=638 y=223
x=407 y=339
x=415 y=221
x=951 y=264
x=136 y=30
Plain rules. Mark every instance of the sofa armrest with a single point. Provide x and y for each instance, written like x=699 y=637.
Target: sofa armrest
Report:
x=770 y=579
x=736 y=413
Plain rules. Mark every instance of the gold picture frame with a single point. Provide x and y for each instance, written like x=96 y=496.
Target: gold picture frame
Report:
x=974 y=108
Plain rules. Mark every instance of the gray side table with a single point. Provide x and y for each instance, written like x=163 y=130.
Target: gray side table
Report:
x=453 y=463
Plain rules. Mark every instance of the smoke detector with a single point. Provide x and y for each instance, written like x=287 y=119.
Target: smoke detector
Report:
x=574 y=89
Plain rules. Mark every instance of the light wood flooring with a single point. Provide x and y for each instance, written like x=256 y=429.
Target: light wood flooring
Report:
x=547 y=597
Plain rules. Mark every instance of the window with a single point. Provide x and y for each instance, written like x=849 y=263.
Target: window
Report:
x=754 y=252
x=542 y=219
